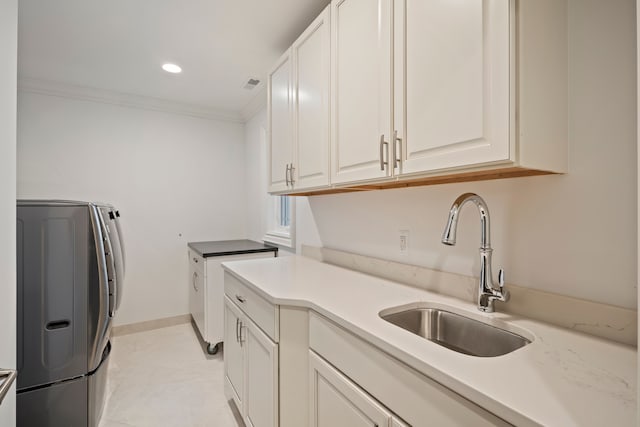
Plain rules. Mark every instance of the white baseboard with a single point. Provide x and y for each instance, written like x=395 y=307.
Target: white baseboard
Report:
x=149 y=325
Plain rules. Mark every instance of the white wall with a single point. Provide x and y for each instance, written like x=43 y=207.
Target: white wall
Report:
x=8 y=69
x=572 y=234
x=638 y=175
x=174 y=178
x=257 y=199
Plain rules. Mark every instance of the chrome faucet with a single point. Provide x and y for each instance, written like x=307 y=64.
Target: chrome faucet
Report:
x=487 y=291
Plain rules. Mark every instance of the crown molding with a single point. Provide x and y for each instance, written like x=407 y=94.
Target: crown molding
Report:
x=255 y=105
x=66 y=90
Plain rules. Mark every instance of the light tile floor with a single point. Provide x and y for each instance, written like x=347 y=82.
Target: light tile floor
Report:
x=164 y=378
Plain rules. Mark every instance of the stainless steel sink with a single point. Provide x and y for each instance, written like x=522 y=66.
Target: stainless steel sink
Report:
x=457 y=332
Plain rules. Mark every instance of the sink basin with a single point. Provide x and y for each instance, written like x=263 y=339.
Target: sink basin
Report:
x=456 y=332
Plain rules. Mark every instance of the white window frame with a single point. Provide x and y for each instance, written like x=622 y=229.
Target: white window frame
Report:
x=283 y=236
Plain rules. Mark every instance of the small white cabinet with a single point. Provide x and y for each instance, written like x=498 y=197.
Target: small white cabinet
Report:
x=335 y=401
x=206 y=291
x=261 y=367
x=233 y=354
x=452 y=83
x=311 y=58
x=298 y=99
x=372 y=372
x=251 y=354
x=280 y=120
x=361 y=89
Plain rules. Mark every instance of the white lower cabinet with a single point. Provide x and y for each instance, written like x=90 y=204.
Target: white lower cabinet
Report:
x=261 y=370
x=233 y=355
x=335 y=401
x=251 y=354
x=353 y=380
x=292 y=367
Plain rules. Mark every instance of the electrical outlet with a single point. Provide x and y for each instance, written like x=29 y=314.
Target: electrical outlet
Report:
x=404 y=242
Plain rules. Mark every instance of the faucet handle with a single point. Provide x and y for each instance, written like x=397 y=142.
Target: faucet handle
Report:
x=504 y=294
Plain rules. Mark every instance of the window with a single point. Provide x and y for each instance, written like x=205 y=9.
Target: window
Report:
x=284 y=213
x=280 y=227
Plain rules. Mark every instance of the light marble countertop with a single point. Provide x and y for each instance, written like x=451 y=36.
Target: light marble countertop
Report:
x=563 y=378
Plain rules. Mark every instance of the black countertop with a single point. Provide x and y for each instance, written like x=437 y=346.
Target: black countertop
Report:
x=230 y=247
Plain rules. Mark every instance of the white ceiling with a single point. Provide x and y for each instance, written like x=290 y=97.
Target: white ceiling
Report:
x=120 y=45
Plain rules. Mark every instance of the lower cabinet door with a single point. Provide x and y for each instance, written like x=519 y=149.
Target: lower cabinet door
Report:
x=338 y=402
x=233 y=354
x=261 y=364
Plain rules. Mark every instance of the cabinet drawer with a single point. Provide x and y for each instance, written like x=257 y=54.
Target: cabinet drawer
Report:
x=263 y=313
x=403 y=390
x=196 y=261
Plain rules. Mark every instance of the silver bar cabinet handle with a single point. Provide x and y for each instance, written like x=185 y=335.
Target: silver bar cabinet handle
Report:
x=397 y=154
x=286 y=175
x=240 y=298
x=291 y=169
x=7 y=376
x=383 y=163
x=237 y=334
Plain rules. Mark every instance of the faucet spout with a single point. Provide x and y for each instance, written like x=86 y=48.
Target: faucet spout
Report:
x=487 y=291
x=449 y=235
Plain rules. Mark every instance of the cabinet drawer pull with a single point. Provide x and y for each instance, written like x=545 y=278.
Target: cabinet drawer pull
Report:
x=237 y=333
x=195 y=260
x=194 y=281
x=241 y=298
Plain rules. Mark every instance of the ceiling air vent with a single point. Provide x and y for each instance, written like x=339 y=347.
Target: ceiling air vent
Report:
x=251 y=83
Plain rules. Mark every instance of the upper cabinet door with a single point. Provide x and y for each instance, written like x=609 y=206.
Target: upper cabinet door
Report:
x=312 y=73
x=452 y=83
x=361 y=89
x=280 y=100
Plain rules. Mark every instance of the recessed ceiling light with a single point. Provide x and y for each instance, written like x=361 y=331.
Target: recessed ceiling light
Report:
x=172 y=68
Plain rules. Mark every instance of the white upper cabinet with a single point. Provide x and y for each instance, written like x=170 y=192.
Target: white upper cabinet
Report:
x=452 y=83
x=280 y=120
x=299 y=99
x=361 y=90
x=421 y=92
x=311 y=59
